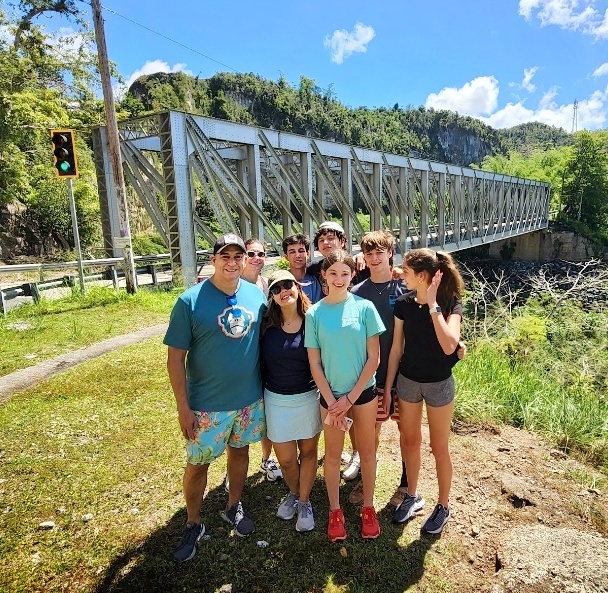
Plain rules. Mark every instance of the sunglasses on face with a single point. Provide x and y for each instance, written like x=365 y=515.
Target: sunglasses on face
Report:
x=279 y=286
x=256 y=254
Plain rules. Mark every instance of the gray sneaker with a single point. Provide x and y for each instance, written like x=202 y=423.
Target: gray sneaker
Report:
x=409 y=506
x=186 y=549
x=435 y=523
x=306 y=520
x=288 y=508
x=236 y=516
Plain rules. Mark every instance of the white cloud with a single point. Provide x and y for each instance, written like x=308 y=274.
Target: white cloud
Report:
x=601 y=70
x=567 y=15
x=154 y=66
x=69 y=39
x=479 y=98
x=526 y=83
x=343 y=44
x=591 y=113
x=150 y=67
x=475 y=98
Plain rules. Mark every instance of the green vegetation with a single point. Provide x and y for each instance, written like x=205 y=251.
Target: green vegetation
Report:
x=33 y=333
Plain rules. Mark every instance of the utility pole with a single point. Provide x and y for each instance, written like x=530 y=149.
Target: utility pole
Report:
x=114 y=149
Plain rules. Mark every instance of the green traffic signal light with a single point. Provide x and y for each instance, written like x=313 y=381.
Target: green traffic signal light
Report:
x=66 y=163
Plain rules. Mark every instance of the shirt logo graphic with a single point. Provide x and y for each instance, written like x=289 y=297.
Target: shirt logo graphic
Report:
x=235 y=322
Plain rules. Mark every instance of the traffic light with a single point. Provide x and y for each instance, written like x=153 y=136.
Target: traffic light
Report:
x=64 y=149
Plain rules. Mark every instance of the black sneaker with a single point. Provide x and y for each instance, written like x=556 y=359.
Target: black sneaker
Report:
x=236 y=516
x=435 y=523
x=409 y=506
x=186 y=549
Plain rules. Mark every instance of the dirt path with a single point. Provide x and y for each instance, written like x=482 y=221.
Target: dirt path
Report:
x=24 y=378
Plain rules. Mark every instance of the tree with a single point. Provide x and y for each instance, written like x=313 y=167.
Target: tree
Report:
x=585 y=192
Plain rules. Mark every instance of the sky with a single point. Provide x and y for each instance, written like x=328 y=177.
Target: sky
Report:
x=505 y=62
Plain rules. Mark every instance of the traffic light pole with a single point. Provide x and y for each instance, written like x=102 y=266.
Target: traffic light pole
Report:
x=114 y=148
x=76 y=233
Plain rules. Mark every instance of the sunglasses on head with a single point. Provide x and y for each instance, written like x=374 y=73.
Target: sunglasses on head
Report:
x=256 y=254
x=279 y=286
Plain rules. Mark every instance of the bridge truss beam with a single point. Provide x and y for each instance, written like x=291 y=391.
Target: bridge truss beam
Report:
x=185 y=167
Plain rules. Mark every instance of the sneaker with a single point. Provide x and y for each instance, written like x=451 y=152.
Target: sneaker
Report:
x=186 y=549
x=335 y=528
x=435 y=523
x=288 y=508
x=398 y=497
x=271 y=469
x=306 y=520
x=236 y=516
x=356 y=494
x=409 y=506
x=345 y=458
x=370 y=528
x=352 y=471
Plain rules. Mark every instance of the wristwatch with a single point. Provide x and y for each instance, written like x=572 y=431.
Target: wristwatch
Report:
x=436 y=309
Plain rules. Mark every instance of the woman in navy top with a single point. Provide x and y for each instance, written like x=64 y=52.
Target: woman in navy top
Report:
x=291 y=398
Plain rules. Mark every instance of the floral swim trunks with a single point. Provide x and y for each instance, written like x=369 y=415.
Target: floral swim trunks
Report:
x=234 y=428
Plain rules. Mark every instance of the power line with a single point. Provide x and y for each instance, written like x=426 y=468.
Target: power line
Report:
x=165 y=37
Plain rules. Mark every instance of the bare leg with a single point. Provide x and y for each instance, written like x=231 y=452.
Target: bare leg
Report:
x=334 y=443
x=364 y=417
x=238 y=464
x=440 y=420
x=287 y=454
x=266 y=448
x=194 y=483
x=308 y=465
x=410 y=425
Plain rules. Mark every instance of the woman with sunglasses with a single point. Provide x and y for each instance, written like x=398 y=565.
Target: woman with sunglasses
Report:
x=290 y=396
x=342 y=337
x=254 y=264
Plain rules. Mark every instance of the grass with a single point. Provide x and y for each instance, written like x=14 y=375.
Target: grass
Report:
x=493 y=390
x=77 y=446
x=33 y=333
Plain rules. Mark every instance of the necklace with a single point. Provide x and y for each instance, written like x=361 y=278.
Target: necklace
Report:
x=386 y=285
x=419 y=304
x=285 y=322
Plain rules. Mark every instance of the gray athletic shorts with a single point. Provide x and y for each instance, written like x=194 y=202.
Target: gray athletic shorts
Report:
x=436 y=395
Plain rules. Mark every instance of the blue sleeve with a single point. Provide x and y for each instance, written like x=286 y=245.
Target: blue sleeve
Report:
x=311 y=339
x=179 y=332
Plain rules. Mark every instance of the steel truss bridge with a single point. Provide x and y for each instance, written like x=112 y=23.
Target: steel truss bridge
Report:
x=180 y=165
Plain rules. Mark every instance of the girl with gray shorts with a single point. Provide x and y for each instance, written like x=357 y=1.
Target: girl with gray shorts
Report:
x=424 y=350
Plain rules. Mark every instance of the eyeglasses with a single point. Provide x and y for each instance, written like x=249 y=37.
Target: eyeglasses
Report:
x=231 y=302
x=256 y=253
x=279 y=286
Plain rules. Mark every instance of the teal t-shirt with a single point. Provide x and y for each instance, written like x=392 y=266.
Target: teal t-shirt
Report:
x=341 y=331
x=223 y=344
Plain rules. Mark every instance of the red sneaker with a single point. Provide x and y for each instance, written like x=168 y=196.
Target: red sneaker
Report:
x=370 y=528
x=335 y=529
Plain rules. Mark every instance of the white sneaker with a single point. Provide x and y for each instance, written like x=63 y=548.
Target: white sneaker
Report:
x=288 y=508
x=352 y=471
x=271 y=469
x=306 y=520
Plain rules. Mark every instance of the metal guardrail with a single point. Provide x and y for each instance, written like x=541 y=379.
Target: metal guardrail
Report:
x=145 y=264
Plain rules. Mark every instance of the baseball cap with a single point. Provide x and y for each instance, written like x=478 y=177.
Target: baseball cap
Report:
x=226 y=240
x=330 y=225
x=279 y=275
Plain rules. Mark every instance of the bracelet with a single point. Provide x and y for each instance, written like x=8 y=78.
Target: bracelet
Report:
x=351 y=403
